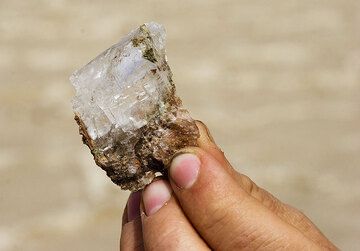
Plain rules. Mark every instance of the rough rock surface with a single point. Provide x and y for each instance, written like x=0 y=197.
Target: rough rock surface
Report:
x=127 y=110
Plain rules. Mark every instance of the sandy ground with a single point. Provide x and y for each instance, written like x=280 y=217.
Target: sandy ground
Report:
x=277 y=82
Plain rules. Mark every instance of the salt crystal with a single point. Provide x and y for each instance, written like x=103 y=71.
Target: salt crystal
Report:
x=127 y=109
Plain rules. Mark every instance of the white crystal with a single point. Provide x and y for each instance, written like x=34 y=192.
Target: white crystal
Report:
x=120 y=88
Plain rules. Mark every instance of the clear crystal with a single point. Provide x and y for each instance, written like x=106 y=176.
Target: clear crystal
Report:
x=127 y=110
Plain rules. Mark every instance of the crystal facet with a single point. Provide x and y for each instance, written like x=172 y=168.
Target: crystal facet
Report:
x=127 y=110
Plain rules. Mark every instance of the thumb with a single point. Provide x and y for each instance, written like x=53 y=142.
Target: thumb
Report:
x=225 y=215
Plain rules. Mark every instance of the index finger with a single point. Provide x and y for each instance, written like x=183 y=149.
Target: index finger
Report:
x=164 y=225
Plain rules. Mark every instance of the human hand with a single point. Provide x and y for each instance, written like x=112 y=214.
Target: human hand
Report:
x=208 y=205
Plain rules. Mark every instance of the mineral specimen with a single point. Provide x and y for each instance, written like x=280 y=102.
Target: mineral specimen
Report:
x=127 y=110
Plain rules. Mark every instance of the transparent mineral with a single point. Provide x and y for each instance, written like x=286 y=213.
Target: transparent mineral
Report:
x=127 y=110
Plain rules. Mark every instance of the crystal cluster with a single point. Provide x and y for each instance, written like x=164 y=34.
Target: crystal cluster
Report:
x=127 y=110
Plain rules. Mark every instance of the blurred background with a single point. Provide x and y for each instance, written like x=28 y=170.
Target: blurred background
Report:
x=277 y=82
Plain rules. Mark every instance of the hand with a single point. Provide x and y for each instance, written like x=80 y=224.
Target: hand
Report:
x=208 y=205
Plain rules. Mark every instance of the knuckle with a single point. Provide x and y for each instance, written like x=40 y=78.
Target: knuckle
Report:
x=272 y=244
x=264 y=197
x=168 y=237
x=297 y=215
x=248 y=185
x=217 y=218
x=302 y=220
x=163 y=241
x=272 y=203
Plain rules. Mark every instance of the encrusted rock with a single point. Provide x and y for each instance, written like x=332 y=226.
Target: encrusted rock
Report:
x=127 y=110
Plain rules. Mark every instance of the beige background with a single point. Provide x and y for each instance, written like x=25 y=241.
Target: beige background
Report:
x=278 y=83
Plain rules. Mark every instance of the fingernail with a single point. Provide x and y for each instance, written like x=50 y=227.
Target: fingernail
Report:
x=155 y=196
x=133 y=207
x=184 y=170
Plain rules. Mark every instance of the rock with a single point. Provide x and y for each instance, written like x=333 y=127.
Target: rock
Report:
x=127 y=109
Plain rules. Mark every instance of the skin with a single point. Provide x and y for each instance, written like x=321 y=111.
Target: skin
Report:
x=207 y=205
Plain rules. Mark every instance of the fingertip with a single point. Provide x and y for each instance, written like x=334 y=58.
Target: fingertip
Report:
x=164 y=225
x=184 y=170
x=155 y=196
x=131 y=231
x=133 y=206
x=194 y=171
